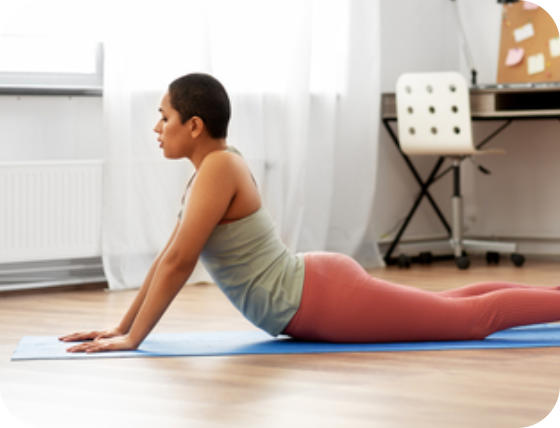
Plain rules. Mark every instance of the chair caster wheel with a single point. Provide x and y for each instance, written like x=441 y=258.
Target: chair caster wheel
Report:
x=492 y=258
x=403 y=261
x=425 y=258
x=517 y=259
x=462 y=262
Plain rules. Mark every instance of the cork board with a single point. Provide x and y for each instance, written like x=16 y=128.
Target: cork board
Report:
x=516 y=17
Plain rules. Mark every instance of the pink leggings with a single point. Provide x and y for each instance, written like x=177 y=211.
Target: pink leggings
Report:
x=341 y=302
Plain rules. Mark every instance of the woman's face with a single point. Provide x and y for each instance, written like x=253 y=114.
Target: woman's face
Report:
x=173 y=135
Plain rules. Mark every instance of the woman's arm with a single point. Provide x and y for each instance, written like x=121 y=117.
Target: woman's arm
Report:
x=127 y=320
x=211 y=195
x=168 y=281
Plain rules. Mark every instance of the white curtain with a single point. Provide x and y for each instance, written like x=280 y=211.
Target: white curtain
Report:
x=303 y=77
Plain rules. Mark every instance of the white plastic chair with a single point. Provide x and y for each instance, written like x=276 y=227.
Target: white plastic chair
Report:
x=433 y=111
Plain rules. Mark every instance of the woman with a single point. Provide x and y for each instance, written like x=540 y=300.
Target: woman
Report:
x=312 y=296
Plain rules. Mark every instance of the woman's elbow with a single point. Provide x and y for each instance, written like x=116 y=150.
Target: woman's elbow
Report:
x=179 y=263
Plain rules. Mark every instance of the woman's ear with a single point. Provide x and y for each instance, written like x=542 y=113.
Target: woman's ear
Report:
x=197 y=126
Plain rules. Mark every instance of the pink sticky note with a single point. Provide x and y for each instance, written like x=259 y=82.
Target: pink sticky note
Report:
x=527 y=5
x=514 y=56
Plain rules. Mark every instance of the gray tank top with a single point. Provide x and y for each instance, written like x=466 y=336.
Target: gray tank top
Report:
x=255 y=270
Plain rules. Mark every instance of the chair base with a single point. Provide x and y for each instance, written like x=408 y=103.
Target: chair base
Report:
x=492 y=249
x=481 y=246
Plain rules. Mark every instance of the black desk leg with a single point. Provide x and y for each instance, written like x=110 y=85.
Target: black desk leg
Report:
x=423 y=193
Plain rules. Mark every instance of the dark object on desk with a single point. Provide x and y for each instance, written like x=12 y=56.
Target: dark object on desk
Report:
x=544 y=100
x=486 y=104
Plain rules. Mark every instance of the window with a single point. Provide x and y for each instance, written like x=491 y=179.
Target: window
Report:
x=32 y=64
x=288 y=36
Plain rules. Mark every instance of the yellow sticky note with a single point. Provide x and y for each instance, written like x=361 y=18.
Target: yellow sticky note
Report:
x=535 y=64
x=554 y=45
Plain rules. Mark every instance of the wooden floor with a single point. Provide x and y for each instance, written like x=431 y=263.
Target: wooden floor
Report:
x=474 y=388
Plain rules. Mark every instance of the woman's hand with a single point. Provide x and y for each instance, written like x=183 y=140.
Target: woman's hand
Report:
x=91 y=335
x=116 y=343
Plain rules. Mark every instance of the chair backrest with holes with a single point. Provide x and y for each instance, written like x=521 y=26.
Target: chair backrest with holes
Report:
x=433 y=114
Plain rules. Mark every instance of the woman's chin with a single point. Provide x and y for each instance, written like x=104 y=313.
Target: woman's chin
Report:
x=168 y=155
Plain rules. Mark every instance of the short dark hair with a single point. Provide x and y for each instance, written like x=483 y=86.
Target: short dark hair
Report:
x=202 y=95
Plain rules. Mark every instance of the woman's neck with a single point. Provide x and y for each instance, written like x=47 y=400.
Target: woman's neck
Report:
x=205 y=148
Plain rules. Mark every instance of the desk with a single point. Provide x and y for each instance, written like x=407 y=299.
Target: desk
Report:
x=507 y=103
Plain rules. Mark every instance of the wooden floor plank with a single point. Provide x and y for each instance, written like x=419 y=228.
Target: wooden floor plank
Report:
x=473 y=388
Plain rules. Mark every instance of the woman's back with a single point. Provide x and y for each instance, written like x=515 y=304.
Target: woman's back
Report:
x=255 y=270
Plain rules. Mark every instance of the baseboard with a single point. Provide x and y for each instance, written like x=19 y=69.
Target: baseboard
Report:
x=50 y=273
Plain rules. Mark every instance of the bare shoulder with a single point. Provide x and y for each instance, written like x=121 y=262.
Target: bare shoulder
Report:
x=227 y=170
x=224 y=163
x=223 y=156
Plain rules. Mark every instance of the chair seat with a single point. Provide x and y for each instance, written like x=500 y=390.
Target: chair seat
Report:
x=474 y=152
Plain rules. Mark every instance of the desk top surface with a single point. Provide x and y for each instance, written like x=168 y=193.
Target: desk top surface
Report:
x=519 y=101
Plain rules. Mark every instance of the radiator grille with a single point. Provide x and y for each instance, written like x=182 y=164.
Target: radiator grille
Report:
x=50 y=210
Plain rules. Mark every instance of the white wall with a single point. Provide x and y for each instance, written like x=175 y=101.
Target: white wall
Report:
x=520 y=198
x=415 y=36
x=482 y=24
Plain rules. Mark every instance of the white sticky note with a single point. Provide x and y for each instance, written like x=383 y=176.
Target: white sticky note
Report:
x=535 y=64
x=554 y=47
x=524 y=33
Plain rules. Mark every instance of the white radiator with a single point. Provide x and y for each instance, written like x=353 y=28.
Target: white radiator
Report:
x=50 y=210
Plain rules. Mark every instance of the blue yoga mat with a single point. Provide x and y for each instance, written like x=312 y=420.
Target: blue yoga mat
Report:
x=209 y=343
